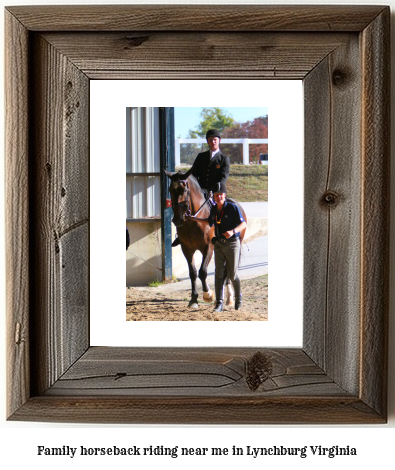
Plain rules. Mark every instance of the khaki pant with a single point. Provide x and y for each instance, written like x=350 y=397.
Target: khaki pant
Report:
x=228 y=251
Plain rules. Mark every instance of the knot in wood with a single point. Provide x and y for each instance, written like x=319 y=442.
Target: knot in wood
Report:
x=259 y=369
x=330 y=199
x=339 y=77
x=120 y=375
x=133 y=42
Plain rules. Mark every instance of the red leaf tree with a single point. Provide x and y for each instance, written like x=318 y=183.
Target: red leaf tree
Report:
x=256 y=129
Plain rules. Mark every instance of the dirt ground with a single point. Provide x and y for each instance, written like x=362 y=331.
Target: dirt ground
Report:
x=167 y=303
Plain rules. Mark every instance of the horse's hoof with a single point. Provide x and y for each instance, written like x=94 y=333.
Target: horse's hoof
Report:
x=193 y=305
x=208 y=296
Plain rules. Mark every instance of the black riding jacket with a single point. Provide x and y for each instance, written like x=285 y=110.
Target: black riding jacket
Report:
x=209 y=172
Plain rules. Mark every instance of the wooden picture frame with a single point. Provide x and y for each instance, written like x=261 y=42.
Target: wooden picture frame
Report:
x=340 y=374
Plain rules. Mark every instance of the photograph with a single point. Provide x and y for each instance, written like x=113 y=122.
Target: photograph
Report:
x=212 y=185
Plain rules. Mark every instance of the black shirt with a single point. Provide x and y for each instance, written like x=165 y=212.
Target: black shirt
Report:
x=228 y=219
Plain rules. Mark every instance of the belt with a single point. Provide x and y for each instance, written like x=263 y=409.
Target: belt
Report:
x=223 y=240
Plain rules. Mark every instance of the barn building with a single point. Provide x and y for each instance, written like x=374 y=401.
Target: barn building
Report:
x=149 y=151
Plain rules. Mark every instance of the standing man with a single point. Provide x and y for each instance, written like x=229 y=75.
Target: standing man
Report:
x=210 y=167
x=228 y=222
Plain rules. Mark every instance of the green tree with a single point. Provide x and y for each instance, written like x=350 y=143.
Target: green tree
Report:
x=188 y=152
x=211 y=118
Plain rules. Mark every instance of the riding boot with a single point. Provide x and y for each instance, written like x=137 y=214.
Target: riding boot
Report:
x=176 y=242
x=219 y=294
x=237 y=288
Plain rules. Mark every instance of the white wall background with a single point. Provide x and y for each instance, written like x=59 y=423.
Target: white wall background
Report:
x=19 y=441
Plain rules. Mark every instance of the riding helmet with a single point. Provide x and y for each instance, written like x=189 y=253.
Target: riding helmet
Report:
x=219 y=188
x=213 y=133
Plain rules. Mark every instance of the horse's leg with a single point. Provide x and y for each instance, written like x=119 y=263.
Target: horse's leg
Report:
x=208 y=295
x=193 y=303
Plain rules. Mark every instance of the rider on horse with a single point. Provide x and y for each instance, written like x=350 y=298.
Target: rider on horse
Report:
x=210 y=167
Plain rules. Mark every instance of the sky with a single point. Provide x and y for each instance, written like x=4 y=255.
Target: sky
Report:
x=188 y=118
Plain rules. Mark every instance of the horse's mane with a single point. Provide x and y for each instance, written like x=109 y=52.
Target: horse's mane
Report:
x=193 y=182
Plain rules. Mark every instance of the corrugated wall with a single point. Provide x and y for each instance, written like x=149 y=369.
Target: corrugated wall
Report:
x=142 y=160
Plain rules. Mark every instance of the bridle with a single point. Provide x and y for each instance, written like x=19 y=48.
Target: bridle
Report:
x=185 y=203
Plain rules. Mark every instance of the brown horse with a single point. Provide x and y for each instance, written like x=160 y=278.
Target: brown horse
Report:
x=188 y=199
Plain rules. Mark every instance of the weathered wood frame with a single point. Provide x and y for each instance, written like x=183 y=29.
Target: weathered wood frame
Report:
x=340 y=373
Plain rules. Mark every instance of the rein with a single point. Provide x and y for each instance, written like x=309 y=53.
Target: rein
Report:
x=201 y=207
